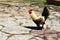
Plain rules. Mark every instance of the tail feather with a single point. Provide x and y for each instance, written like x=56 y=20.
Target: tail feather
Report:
x=45 y=13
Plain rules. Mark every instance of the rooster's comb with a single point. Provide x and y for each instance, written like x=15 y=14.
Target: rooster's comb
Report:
x=30 y=11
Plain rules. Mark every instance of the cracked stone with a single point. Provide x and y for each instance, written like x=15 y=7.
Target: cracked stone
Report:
x=4 y=15
x=39 y=38
x=1 y=27
x=3 y=36
x=35 y=38
x=57 y=14
x=12 y=27
x=55 y=25
x=26 y=22
x=16 y=30
x=7 y=22
x=20 y=37
x=48 y=22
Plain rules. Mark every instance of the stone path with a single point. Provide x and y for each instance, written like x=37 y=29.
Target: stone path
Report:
x=12 y=24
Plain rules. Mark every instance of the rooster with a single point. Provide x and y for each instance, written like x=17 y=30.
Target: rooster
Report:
x=40 y=20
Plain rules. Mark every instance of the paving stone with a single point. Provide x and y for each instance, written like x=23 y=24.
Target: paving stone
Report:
x=13 y=27
x=25 y=37
x=25 y=21
x=48 y=22
x=4 y=15
x=3 y=36
x=16 y=30
x=39 y=38
x=1 y=27
x=21 y=37
x=57 y=14
x=7 y=22
x=3 y=21
x=36 y=38
x=55 y=25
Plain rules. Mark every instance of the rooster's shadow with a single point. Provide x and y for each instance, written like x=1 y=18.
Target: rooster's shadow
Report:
x=32 y=27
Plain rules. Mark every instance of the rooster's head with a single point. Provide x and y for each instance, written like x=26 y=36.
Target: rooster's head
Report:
x=30 y=11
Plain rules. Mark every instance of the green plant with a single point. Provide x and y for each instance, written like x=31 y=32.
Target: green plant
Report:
x=20 y=23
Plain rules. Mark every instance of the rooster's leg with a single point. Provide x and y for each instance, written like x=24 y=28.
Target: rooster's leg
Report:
x=39 y=27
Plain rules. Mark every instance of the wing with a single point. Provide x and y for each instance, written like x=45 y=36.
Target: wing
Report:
x=45 y=13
